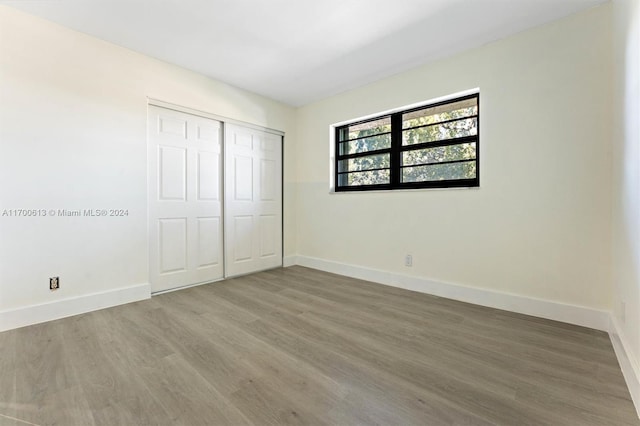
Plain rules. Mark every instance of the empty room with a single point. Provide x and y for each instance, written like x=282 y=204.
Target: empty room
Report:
x=356 y=212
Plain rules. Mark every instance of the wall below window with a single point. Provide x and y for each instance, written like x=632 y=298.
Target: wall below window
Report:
x=73 y=136
x=539 y=225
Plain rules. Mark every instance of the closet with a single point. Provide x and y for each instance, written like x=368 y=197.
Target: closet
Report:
x=215 y=198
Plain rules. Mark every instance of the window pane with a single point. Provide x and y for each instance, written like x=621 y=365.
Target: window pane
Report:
x=364 y=163
x=372 y=155
x=376 y=177
x=442 y=131
x=465 y=151
x=367 y=144
x=436 y=172
x=369 y=128
x=432 y=115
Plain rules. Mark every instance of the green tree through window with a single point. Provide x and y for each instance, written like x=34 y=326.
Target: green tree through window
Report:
x=431 y=146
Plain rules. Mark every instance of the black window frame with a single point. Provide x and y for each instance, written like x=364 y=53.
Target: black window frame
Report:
x=396 y=150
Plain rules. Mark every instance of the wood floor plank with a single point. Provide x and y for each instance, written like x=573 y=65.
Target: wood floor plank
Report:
x=6 y=420
x=46 y=381
x=375 y=388
x=111 y=386
x=187 y=397
x=201 y=350
x=8 y=370
x=493 y=404
x=304 y=347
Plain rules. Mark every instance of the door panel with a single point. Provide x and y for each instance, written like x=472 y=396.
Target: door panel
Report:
x=173 y=248
x=268 y=237
x=253 y=200
x=208 y=237
x=243 y=178
x=185 y=208
x=208 y=132
x=242 y=226
x=268 y=180
x=172 y=126
x=208 y=176
x=173 y=173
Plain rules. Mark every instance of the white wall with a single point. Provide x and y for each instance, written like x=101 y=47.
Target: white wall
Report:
x=626 y=184
x=73 y=136
x=539 y=225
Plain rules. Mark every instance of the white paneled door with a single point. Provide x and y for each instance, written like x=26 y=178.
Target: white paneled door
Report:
x=253 y=200
x=185 y=199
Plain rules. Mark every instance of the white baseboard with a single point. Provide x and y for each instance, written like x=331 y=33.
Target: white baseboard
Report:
x=572 y=314
x=289 y=261
x=35 y=314
x=628 y=362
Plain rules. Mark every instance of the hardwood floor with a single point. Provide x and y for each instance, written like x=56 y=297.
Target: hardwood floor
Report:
x=298 y=346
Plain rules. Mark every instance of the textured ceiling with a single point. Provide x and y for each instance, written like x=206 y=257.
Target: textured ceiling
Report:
x=299 y=51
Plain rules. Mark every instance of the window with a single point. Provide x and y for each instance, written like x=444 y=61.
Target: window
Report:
x=432 y=146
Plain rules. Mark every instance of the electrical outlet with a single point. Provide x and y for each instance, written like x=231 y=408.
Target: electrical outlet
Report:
x=623 y=312
x=54 y=283
x=408 y=260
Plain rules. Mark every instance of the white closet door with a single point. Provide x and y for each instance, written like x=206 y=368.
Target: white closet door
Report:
x=185 y=209
x=253 y=200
